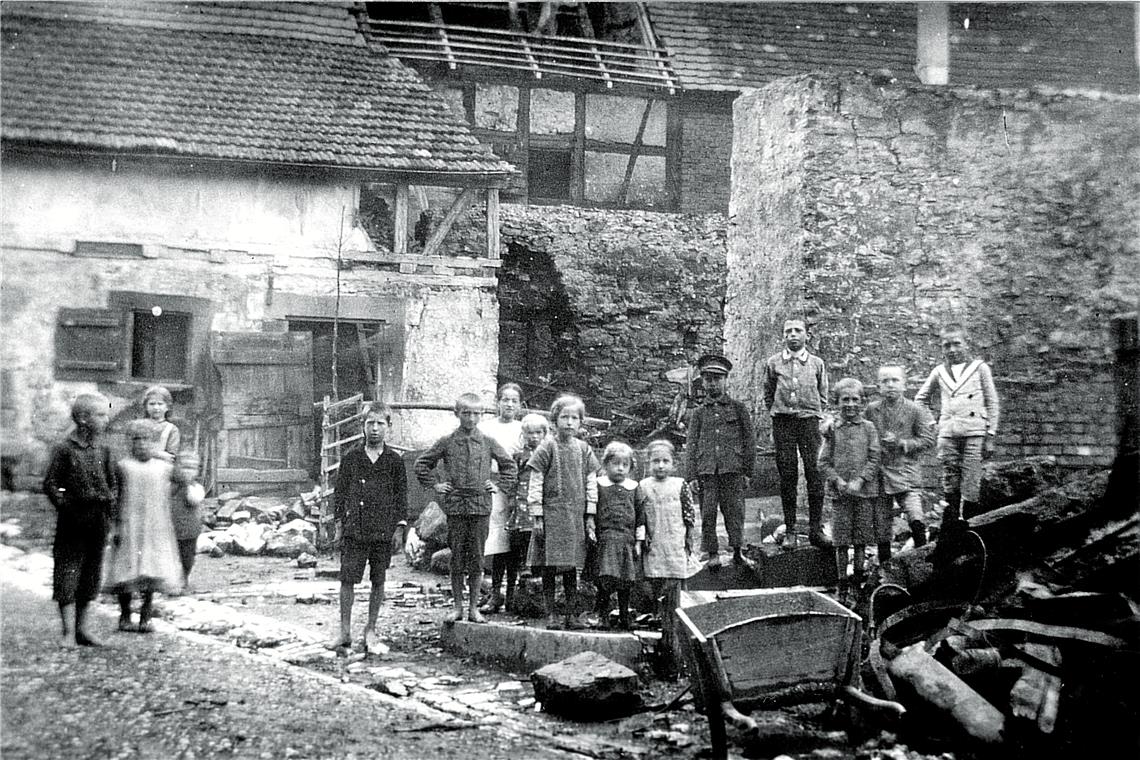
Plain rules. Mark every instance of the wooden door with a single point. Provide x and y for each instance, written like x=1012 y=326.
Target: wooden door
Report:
x=267 y=406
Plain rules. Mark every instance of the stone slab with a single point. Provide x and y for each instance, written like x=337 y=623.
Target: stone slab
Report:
x=529 y=647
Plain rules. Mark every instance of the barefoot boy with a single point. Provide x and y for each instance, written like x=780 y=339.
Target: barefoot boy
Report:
x=81 y=484
x=371 y=501
x=465 y=489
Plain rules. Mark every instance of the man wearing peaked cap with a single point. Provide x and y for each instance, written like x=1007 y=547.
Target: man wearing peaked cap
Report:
x=720 y=454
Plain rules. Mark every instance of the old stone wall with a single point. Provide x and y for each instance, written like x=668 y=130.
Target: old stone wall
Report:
x=706 y=149
x=603 y=303
x=881 y=213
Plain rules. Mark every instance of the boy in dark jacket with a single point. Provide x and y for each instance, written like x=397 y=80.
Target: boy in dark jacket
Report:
x=721 y=451
x=81 y=484
x=371 y=501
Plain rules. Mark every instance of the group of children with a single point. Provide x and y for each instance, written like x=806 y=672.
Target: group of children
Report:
x=524 y=494
x=147 y=504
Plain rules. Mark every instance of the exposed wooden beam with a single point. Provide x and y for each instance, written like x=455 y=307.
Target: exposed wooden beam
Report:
x=623 y=195
x=578 y=153
x=461 y=204
x=400 y=223
x=492 y=223
x=673 y=147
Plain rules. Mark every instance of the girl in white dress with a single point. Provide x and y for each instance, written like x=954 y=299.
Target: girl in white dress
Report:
x=506 y=430
x=144 y=554
x=158 y=405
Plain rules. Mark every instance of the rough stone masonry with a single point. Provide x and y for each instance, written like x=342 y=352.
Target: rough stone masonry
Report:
x=880 y=212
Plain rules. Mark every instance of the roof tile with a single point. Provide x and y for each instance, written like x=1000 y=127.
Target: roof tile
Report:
x=286 y=96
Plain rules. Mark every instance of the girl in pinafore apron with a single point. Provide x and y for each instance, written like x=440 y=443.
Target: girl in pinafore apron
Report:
x=158 y=405
x=670 y=517
x=621 y=532
x=562 y=498
x=506 y=431
x=144 y=555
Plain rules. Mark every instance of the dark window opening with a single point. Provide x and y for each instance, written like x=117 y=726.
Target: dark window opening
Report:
x=159 y=344
x=549 y=173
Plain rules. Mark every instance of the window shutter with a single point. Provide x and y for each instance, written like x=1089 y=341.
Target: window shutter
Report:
x=90 y=344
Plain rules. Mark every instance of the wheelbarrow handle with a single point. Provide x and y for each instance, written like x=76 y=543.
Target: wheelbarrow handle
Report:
x=851 y=694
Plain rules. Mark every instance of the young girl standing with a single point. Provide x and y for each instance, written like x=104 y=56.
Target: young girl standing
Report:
x=670 y=521
x=144 y=555
x=621 y=532
x=535 y=430
x=506 y=431
x=562 y=498
x=158 y=405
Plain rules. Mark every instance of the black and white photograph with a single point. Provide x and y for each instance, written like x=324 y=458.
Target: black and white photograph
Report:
x=569 y=380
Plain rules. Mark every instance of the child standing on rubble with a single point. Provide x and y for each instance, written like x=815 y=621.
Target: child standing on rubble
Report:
x=849 y=462
x=563 y=499
x=621 y=532
x=671 y=519
x=906 y=430
x=144 y=552
x=967 y=422
x=505 y=430
x=80 y=483
x=535 y=430
x=465 y=487
x=158 y=405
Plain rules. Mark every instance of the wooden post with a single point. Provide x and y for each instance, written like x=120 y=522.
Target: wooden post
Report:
x=578 y=152
x=400 y=223
x=1124 y=481
x=492 y=222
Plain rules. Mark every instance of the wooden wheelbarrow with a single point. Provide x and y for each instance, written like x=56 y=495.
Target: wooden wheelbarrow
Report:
x=768 y=647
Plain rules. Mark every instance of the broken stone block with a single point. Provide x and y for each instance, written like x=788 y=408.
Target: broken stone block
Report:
x=226 y=511
x=224 y=541
x=249 y=538
x=287 y=545
x=296 y=510
x=431 y=526
x=586 y=686
x=301 y=528
x=306 y=560
x=241 y=516
x=1005 y=483
x=205 y=545
x=441 y=561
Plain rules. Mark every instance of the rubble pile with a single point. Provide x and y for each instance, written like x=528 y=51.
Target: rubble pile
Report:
x=249 y=526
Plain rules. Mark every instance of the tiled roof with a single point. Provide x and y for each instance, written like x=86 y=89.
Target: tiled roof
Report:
x=728 y=46
x=1078 y=45
x=280 y=83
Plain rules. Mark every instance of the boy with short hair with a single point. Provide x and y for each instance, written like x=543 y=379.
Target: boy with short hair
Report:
x=967 y=421
x=82 y=486
x=795 y=392
x=849 y=460
x=465 y=490
x=906 y=429
x=721 y=453
x=370 y=503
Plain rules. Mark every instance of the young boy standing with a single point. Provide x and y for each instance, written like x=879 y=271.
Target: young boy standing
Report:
x=81 y=484
x=795 y=391
x=371 y=501
x=466 y=488
x=850 y=462
x=721 y=452
x=967 y=421
x=906 y=429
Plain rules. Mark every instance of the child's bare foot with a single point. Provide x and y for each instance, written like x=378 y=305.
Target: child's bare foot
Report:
x=67 y=640
x=475 y=616
x=454 y=616
x=144 y=626
x=373 y=644
x=340 y=641
x=84 y=639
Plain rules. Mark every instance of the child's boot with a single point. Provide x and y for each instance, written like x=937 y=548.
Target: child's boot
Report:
x=918 y=532
x=493 y=604
x=67 y=625
x=125 y=613
x=145 y=613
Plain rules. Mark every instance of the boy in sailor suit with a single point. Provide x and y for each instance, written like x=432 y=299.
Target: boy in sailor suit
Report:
x=967 y=423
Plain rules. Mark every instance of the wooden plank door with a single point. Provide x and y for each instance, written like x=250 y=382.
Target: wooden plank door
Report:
x=267 y=404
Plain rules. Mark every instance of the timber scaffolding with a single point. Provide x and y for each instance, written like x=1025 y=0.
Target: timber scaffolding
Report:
x=646 y=65
x=341 y=427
